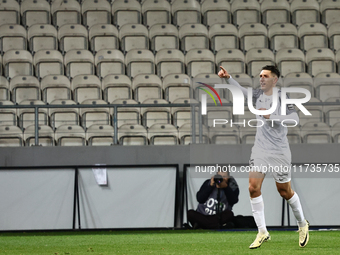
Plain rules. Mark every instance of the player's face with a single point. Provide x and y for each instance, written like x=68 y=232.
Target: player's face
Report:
x=267 y=80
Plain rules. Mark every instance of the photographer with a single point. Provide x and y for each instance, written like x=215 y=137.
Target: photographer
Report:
x=208 y=215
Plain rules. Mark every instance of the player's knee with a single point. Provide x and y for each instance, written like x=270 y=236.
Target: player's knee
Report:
x=284 y=193
x=253 y=189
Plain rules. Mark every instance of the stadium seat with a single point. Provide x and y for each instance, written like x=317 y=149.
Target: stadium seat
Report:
x=9 y=12
x=176 y=86
x=86 y=87
x=185 y=11
x=12 y=37
x=27 y=115
x=215 y=12
x=116 y=86
x=127 y=115
x=70 y=135
x=253 y=35
x=247 y=134
x=156 y=12
x=183 y=115
x=96 y=12
x=139 y=61
x=330 y=11
x=199 y=61
x=64 y=116
x=163 y=134
x=208 y=79
x=55 y=87
x=315 y=110
x=5 y=93
x=316 y=133
x=90 y=116
x=42 y=37
x=65 y=12
x=320 y=60
x=217 y=112
x=48 y=62
x=11 y=136
x=246 y=11
x=103 y=36
x=133 y=36
x=8 y=116
x=299 y=80
x=337 y=59
x=294 y=135
x=257 y=58
x=152 y=115
x=35 y=12
x=193 y=36
x=146 y=86
x=169 y=61
x=275 y=11
x=335 y=132
x=72 y=37
x=109 y=61
x=100 y=135
x=332 y=112
x=224 y=134
x=312 y=35
x=304 y=11
x=283 y=35
x=327 y=85
x=24 y=88
x=185 y=134
x=46 y=135
x=334 y=36
x=223 y=36
x=132 y=134
x=78 y=62
x=290 y=60
x=163 y=36
x=126 y=12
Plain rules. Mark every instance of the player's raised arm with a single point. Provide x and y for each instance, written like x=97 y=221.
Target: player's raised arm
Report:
x=228 y=79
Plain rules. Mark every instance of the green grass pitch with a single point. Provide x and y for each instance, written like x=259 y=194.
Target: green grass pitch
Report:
x=164 y=242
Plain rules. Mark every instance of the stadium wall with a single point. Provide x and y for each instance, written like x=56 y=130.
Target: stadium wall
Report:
x=318 y=194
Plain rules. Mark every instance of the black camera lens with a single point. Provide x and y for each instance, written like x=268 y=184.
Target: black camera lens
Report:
x=218 y=179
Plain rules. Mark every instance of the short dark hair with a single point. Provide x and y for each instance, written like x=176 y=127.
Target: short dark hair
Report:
x=273 y=69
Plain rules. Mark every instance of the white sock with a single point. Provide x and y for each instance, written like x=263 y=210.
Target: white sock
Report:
x=257 y=208
x=295 y=204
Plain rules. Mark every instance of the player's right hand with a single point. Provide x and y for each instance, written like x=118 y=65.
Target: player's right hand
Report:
x=223 y=73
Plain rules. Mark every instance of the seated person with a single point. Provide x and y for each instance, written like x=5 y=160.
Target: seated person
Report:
x=206 y=214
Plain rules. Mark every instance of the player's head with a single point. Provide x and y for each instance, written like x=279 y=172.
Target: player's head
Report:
x=269 y=77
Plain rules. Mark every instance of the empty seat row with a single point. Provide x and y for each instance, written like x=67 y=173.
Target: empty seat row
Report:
x=157 y=134
x=98 y=112
x=164 y=36
x=179 y=12
x=167 y=61
x=96 y=135
x=149 y=86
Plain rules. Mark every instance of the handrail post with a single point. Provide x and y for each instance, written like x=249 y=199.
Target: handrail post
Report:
x=115 y=124
x=36 y=129
x=193 y=135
